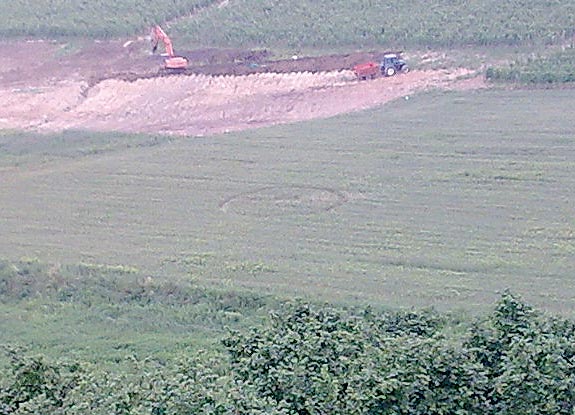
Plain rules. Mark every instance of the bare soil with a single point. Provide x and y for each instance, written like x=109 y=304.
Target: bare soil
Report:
x=118 y=86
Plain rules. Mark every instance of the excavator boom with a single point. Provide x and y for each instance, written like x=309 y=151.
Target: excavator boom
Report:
x=172 y=62
x=158 y=35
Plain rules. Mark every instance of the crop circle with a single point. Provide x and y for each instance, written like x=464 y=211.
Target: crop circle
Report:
x=284 y=200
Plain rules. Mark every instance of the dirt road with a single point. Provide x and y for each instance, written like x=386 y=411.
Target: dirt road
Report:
x=111 y=86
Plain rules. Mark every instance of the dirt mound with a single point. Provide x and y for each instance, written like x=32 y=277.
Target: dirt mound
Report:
x=116 y=86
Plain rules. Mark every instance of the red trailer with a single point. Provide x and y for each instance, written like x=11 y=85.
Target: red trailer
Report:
x=367 y=70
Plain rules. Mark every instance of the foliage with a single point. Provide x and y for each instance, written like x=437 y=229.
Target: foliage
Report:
x=35 y=386
x=558 y=67
x=528 y=359
x=313 y=359
x=193 y=385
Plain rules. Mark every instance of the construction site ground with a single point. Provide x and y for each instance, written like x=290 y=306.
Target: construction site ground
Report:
x=52 y=86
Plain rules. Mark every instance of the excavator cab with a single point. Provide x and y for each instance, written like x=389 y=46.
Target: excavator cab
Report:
x=176 y=63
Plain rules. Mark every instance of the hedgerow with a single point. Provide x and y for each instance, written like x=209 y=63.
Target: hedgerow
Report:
x=312 y=359
x=558 y=67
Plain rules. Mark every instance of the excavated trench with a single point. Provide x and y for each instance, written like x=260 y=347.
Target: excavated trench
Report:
x=231 y=90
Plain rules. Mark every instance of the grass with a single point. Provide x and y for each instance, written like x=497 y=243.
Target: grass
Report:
x=302 y=24
x=444 y=200
x=22 y=148
x=362 y=23
x=103 y=313
x=107 y=18
x=554 y=68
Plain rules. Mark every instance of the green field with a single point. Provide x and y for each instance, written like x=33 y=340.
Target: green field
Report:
x=165 y=275
x=557 y=67
x=102 y=314
x=302 y=24
x=107 y=18
x=445 y=200
x=395 y=23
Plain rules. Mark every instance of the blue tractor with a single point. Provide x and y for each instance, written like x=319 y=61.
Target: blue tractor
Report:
x=392 y=64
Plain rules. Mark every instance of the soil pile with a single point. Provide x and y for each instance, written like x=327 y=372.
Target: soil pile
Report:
x=227 y=91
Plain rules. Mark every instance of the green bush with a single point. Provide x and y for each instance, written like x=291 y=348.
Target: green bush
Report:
x=323 y=360
x=311 y=359
x=35 y=386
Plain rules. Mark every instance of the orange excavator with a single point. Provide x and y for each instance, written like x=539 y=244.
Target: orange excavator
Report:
x=172 y=63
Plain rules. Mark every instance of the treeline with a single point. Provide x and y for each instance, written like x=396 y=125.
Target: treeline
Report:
x=558 y=67
x=310 y=359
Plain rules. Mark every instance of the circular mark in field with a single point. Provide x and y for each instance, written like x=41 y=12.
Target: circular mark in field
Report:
x=282 y=200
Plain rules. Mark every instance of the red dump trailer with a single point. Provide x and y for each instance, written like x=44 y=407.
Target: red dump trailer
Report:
x=367 y=70
x=390 y=65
